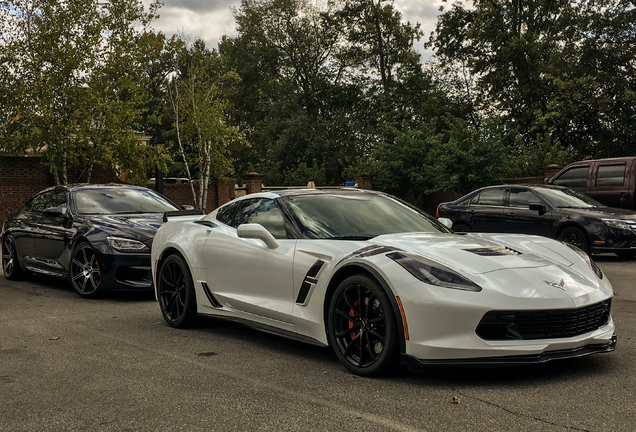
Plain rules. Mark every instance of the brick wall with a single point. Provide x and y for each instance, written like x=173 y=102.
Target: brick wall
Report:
x=219 y=192
x=23 y=177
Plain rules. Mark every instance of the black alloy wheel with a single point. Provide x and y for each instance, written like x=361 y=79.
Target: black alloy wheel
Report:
x=85 y=273
x=10 y=260
x=362 y=327
x=175 y=291
x=575 y=237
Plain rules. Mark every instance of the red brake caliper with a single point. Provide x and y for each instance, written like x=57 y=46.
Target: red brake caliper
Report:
x=353 y=314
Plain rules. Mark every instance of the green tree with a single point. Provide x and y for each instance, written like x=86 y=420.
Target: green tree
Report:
x=544 y=69
x=71 y=77
x=198 y=90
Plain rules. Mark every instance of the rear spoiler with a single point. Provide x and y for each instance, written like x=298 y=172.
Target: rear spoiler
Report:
x=178 y=213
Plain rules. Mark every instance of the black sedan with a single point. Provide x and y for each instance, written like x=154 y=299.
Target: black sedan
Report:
x=549 y=211
x=98 y=236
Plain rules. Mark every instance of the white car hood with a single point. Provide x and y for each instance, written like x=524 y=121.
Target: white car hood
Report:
x=478 y=253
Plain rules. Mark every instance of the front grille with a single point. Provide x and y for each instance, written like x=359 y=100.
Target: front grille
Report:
x=544 y=324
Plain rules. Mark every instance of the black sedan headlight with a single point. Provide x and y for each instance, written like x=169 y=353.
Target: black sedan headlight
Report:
x=126 y=245
x=433 y=273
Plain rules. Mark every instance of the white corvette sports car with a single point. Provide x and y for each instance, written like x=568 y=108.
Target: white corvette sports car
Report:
x=379 y=281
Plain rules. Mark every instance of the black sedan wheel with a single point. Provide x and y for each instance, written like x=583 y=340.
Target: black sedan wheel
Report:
x=362 y=327
x=575 y=237
x=85 y=275
x=175 y=290
x=10 y=260
x=461 y=228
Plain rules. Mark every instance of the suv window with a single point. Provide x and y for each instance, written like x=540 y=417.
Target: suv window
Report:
x=610 y=175
x=261 y=211
x=490 y=197
x=575 y=177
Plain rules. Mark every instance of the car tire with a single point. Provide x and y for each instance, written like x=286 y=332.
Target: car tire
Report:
x=11 y=261
x=364 y=338
x=175 y=291
x=461 y=228
x=85 y=272
x=575 y=237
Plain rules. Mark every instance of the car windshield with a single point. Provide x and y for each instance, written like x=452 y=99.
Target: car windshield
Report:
x=358 y=216
x=106 y=201
x=567 y=198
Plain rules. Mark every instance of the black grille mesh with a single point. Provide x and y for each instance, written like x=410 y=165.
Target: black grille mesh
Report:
x=544 y=324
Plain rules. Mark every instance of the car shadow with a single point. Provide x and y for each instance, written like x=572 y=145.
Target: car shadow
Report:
x=44 y=282
x=598 y=365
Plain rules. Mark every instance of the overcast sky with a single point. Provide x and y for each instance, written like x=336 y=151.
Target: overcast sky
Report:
x=210 y=19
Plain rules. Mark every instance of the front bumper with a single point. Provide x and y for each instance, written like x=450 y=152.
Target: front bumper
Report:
x=119 y=271
x=537 y=358
x=547 y=321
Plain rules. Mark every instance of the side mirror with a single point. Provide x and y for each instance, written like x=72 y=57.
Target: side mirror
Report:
x=540 y=208
x=187 y=207
x=257 y=231
x=57 y=212
x=446 y=222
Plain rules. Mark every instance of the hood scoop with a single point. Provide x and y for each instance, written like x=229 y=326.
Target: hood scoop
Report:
x=494 y=251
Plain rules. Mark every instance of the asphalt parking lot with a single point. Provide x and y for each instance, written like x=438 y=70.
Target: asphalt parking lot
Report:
x=69 y=364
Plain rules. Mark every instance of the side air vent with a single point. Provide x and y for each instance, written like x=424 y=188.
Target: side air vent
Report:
x=309 y=281
x=213 y=301
x=494 y=251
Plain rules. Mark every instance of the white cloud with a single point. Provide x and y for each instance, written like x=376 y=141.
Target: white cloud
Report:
x=211 y=19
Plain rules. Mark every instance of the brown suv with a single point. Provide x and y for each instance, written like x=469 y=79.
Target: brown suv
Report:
x=609 y=181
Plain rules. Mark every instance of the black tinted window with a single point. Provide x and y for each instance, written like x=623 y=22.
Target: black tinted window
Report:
x=225 y=213
x=38 y=203
x=491 y=197
x=610 y=175
x=263 y=212
x=522 y=198
x=574 y=177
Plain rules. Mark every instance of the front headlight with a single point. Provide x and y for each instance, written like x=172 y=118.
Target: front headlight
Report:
x=596 y=269
x=121 y=244
x=433 y=273
x=617 y=224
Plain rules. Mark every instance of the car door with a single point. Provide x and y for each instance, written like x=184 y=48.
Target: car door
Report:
x=611 y=185
x=519 y=218
x=486 y=210
x=246 y=274
x=23 y=229
x=54 y=233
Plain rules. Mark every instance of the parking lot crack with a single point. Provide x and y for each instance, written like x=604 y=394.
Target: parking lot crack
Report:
x=519 y=414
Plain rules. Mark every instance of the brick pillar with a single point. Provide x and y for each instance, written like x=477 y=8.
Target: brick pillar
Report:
x=364 y=181
x=253 y=182
x=550 y=171
x=225 y=190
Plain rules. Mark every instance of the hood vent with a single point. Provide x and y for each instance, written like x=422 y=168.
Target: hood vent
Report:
x=494 y=251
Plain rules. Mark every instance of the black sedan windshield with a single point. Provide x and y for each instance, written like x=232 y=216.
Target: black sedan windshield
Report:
x=567 y=198
x=357 y=216
x=108 y=201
